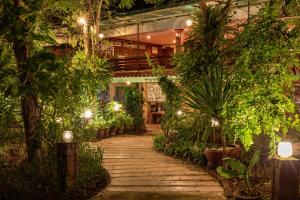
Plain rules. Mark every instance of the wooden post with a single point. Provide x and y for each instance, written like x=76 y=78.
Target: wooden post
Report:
x=285 y=179
x=67 y=165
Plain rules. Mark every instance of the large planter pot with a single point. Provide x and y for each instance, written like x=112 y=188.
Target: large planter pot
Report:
x=214 y=156
x=106 y=132
x=121 y=129
x=239 y=195
x=100 y=133
x=113 y=131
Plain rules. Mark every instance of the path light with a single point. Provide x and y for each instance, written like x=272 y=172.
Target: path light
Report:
x=179 y=113
x=189 y=22
x=285 y=149
x=101 y=35
x=117 y=107
x=82 y=21
x=87 y=114
x=128 y=83
x=67 y=136
x=214 y=122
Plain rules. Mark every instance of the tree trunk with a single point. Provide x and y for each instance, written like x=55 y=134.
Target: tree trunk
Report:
x=29 y=103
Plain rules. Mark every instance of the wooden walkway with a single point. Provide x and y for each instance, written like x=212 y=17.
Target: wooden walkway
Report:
x=138 y=172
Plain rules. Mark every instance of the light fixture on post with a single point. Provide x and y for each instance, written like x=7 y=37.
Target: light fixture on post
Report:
x=285 y=149
x=66 y=161
x=285 y=176
x=67 y=136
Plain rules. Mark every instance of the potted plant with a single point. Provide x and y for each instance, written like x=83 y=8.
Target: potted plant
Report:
x=210 y=97
x=235 y=169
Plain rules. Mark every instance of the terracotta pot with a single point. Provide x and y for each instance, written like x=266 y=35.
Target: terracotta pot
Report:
x=100 y=133
x=214 y=156
x=113 y=131
x=238 y=195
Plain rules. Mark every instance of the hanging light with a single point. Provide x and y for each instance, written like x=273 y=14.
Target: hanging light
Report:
x=285 y=149
x=67 y=136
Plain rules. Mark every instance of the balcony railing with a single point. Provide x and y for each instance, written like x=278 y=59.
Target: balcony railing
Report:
x=139 y=63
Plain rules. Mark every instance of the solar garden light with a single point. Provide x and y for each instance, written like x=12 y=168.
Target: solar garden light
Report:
x=285 y=175
x=179 y=112
x=67 y=161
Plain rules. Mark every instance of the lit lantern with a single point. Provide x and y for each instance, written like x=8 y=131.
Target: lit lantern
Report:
x=189 y=22
x=101 y=35
x=67 y=136
x=285 y=149
x=81 y=21
x=179 y=112
x=117 y=107
x=87 y=114
x=128 y=83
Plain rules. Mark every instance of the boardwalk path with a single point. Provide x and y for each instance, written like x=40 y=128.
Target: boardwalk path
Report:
x=138 y=172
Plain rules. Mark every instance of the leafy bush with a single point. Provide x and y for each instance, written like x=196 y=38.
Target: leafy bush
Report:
x=39 y=180
x=180 y=149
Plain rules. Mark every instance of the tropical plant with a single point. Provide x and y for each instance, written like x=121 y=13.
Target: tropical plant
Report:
x=235 y=169
x=204 y=48
x=134 y=106
x=210 y=97
x=170 y=120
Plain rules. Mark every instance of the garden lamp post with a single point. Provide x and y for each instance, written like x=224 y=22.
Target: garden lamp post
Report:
x=67 y=162
x=285 y=175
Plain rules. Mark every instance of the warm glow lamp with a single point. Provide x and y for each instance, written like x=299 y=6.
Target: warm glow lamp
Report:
x=285 y=149
x=128 y=83
x=117 y=107
x=189 y=22
x=101 y=35
x=179 y=112
x=81 y=21
x=67 y=136
x=87 y=114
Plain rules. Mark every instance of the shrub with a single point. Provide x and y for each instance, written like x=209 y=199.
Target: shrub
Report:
x=180 y=148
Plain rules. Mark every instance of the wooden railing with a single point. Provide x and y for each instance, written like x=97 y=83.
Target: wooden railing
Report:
x=139 y=63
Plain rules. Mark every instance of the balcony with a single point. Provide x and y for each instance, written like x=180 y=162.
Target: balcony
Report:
x=140 y=63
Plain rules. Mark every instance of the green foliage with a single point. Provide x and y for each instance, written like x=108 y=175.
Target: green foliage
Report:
x=90 y=168
x=205 y=46
x=179 y=148
x=134 y=106
x=265 y=51
x=172 y=104
x=236 y=169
